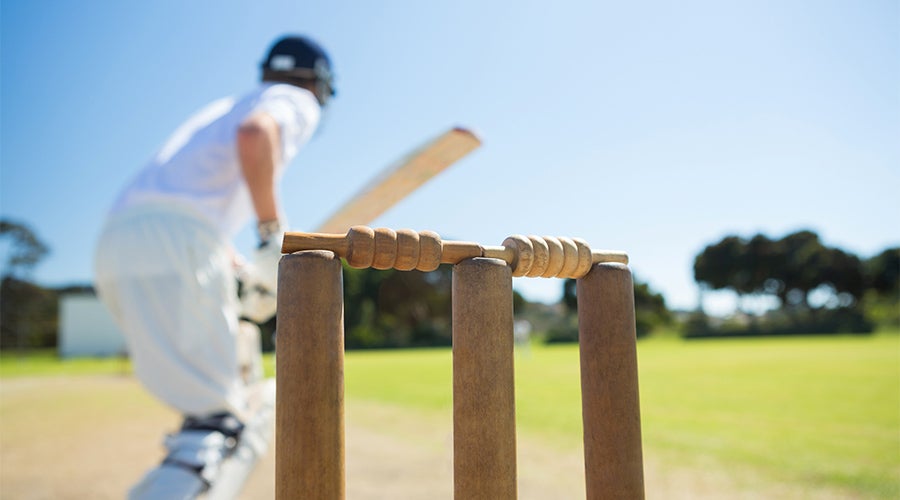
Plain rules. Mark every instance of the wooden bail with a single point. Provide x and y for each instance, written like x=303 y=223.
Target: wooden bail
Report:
x=405 y=249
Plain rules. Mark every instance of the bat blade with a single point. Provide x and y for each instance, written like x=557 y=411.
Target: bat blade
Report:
x=401 y=178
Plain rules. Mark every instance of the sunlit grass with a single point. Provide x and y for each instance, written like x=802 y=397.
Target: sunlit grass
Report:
x=48 y=363
x=816 y=410
x=801 y=410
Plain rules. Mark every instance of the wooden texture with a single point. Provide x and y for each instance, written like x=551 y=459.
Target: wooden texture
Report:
x=310 y=378
x=484 y=439
x=402 y=178
x=609 y=384
x=533 y=256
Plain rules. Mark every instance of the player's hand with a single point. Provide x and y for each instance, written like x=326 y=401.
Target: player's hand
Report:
x=264 y=266
x=256 y=291
x=259 y=277
x=257 y=304
x=268 y=254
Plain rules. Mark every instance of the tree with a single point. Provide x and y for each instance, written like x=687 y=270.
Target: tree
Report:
x=649 y=307
x=795 y=269
x=759 y=258
x=882 y=277
x=28 y=313
x=800 y=258
x=415 y=307
x=790 y=268
x=726 y=265
x=396 y=308
x=843 y=274
x=882 y=272
x=25 y=249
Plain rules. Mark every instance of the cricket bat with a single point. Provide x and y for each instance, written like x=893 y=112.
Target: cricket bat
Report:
x=400 y=179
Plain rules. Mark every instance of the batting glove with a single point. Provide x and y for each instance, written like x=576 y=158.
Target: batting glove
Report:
x=259 y=278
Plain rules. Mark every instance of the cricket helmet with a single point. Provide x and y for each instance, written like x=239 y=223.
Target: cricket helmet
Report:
x=297 y=57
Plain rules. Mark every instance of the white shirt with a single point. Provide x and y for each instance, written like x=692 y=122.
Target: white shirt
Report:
x=198 y=167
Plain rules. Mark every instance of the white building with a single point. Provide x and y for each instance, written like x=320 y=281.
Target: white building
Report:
x=86 y=328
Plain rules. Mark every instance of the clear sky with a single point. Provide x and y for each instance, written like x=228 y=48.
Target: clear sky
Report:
x=651 y=127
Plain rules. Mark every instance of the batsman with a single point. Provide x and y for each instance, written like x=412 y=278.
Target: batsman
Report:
x=167 y=269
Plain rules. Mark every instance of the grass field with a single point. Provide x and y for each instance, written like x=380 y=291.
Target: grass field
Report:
x=805 y=411
x=817 y=414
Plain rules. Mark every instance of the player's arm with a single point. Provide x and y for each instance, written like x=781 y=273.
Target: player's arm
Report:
x=259 y=150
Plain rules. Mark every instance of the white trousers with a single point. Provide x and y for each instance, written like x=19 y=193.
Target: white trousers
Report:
x=168 y=279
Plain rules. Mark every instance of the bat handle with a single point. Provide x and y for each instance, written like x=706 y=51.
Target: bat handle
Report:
x=405 y=250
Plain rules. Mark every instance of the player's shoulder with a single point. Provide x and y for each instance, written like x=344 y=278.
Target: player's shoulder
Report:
x=288 y=104
x=285 y=91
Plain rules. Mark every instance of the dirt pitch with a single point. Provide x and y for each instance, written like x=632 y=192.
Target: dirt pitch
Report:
x=91 y=437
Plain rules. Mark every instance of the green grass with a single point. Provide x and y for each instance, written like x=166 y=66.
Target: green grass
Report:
x=805 y=411
x=419 y=378
x=47 y=363
x=822 y=410
x=819 y=411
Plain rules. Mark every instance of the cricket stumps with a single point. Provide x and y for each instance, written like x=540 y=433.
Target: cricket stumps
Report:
x=310 y=425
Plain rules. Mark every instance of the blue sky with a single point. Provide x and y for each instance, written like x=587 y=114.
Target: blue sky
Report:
x=651 y=127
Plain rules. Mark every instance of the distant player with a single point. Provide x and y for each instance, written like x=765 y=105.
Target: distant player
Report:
x=167 y=270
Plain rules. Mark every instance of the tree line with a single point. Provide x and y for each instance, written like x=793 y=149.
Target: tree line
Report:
x=29 y=313
x=384 y=309
x=413 y=309
x=816 y=289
